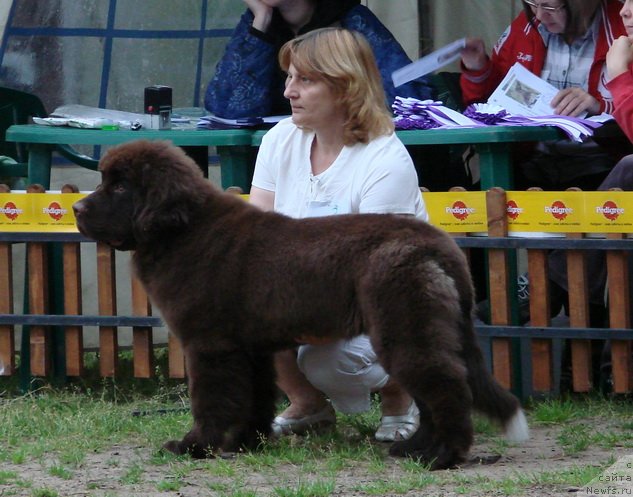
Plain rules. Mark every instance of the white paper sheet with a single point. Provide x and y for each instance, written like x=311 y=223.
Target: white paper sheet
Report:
x=428 y=63
x=523 y=93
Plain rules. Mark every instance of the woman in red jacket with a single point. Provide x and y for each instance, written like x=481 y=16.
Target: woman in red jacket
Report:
x=565 y=42
x=620 y=72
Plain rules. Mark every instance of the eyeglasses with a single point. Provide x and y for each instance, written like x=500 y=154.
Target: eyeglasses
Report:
x=550 y=10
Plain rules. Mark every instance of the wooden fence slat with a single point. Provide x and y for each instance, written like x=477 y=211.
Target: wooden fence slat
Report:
x=39 y=336
x=39 y=341
x=142 y=337
x=498 y=269
x=106 y=284
x=7 y=339
x=581 y=365
x=540 y=316
x=73 y=307
x=73 y=335
x=619 y=316
x=176 y=357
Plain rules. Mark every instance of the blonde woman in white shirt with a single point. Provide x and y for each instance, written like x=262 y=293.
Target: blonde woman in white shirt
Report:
x=337 y=154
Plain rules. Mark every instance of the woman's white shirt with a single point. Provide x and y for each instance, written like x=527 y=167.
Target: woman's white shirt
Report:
x=375 y=177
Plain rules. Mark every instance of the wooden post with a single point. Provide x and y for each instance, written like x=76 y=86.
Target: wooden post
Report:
x=498 y=269
x=540 y=316
x=581 y=367
x=142 y=343
x=176 y=357
x=619 y=316
x=39 y=339
x=71 y=255
x=106 y=280
x=7 y=338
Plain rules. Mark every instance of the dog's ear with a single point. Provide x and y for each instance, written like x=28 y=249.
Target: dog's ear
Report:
x=168 y=195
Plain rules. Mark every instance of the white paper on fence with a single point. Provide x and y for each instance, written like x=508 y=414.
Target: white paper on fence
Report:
x=428 y=63
x=523 y=93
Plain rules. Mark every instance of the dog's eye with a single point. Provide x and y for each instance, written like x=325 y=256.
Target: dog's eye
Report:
x=118 y=188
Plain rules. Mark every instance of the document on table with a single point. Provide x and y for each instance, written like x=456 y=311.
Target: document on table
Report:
x=428 y=63
x=212 y=121
x=523 y=93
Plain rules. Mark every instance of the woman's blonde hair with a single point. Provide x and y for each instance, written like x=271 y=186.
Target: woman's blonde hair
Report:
x=579 y=16
x=345 y=61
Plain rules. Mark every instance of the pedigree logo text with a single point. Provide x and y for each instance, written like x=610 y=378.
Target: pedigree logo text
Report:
x=610 y=210
x=55 y=211
x=513 y=210
x=559 y=210
x=460 y=210
x=11 y=211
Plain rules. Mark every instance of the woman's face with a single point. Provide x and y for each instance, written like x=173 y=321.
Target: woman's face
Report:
x=313 y=102
x=627 y=16
x=551 y=13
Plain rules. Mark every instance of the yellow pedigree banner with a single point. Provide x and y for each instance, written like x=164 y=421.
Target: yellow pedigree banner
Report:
x=570 y=212
x=38 y=212
x=457 y=211
x=546 y=212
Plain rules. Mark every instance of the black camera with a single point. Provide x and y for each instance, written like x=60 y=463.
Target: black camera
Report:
x=158 y=106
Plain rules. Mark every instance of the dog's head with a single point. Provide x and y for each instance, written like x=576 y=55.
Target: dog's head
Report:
x=148 y=191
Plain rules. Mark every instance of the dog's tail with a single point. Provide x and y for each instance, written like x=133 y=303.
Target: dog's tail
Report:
x=489 y=397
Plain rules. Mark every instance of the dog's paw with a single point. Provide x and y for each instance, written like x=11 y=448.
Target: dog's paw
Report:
x=434 y=456
x=173 y=446
x=192 y=449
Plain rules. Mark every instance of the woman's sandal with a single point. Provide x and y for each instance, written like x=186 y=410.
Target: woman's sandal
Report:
x=319 y=421
x=401 y=427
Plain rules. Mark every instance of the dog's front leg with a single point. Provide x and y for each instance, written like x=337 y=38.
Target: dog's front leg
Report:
x=221 y=392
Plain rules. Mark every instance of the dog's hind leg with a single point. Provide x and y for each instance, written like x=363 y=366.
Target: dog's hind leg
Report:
x=221 y=392
x=411 y=309
x=442 y=393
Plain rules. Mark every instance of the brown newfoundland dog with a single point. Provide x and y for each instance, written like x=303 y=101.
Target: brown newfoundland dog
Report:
x=236 y=284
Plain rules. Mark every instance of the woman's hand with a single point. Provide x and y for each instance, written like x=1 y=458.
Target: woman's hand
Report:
x=474 y=54
x=573 y=102
x=263 y=14
x=619 y=56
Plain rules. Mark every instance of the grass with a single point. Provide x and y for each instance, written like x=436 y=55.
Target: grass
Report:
x=86 y=437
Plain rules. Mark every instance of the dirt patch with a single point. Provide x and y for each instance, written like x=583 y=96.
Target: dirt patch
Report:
x=540 y=467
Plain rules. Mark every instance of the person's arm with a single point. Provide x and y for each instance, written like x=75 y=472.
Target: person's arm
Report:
x=261 y=198
x=390 y=184
x=266 y=173
x=482 y=74
x=621 y=87
x=620 y=57
x=243 y=83
x=388 y=52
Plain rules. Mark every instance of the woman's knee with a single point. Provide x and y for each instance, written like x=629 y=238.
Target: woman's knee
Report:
x=343 y=362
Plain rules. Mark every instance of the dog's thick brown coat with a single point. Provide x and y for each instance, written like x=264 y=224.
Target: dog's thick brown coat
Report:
x=236 y=284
